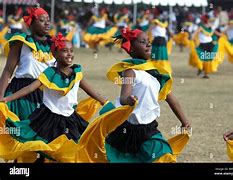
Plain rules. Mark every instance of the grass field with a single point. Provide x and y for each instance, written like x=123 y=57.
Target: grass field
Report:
x=208 y=103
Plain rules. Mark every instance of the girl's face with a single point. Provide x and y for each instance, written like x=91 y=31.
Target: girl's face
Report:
x=41 y=26
x=141 y=47
x=65 y=56
x=102 y=12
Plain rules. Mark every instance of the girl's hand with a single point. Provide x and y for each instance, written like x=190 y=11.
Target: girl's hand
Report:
x=186 y=128
x=186 y=125
x=228 y=135
x=3 y=100
x=131 y=100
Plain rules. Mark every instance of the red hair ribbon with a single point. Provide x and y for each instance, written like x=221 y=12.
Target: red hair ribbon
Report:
x=58 y=42
x=33 y=12
x=205 y=18
x=129 y=35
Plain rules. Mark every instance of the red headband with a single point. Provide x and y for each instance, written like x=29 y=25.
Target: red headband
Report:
x=205 y=18
x=58 y=42
x=129 y=35
x=33 y=12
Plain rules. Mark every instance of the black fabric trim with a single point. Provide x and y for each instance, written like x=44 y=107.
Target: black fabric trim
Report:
x=19 y=83
x=128 y=137
x=207 y=46
x=159 y=41
x=49 y=125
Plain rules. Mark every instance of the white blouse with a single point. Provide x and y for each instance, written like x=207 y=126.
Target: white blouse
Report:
x=204 y=38
x=146 y=88
x=100 y=24
x=158 y=31
x=60 y=104
x=144 y=22
x=28 y=66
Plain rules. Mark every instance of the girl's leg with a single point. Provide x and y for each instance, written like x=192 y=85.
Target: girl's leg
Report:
x=206 y=76
x=199 y=71
x=95 y=51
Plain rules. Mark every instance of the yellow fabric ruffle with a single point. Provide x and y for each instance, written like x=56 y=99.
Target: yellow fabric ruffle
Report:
x=229 y=144
x=18 y=38
x=177 y=144
x=210 y=67
x=101 y=39
x=193 y=57
x=11 y=20
x=61 y=149
x=37 y=54
x=161 y=24
x=221 y=52
x=182 y=38
x=2 y=34
x=113 y=75
x=45 y=81
x=91 y=146
x=121 y=19
x=97 y=19
x=166 y=65
x=169 y=46
x=227 y=47
x=87 y=108
x=230 y=58
x=206 y=32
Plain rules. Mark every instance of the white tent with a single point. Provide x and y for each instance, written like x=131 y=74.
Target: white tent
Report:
x=196 y=3
x=170 y=3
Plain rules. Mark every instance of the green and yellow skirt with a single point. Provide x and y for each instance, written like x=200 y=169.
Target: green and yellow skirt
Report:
x=139 y=143
x=159 y=53
x=43 y=132
x=101 y=36
x=54 y=137
x=206 y=57
x=94 y=143
x=228 y=47
x=182 y=38
x=24 y=106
